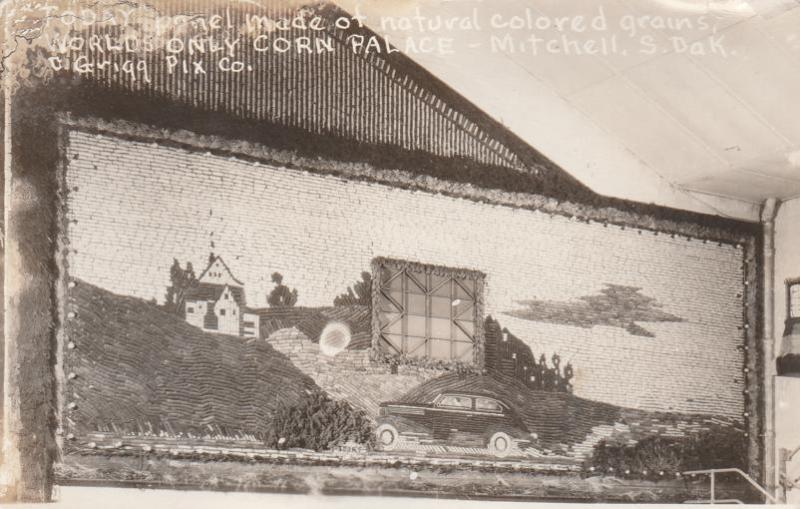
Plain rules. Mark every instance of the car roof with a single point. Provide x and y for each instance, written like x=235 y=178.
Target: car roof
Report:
x=468 y=395
x=449 y=393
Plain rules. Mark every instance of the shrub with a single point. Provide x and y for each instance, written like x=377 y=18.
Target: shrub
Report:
x=395 y=360
x=717 y=448
x=659 y=457
x=317 y=422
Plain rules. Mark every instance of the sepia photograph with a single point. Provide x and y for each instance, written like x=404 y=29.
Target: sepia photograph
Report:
x=426 y=253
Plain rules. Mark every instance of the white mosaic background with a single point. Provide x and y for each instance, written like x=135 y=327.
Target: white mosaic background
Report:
x=133 y=207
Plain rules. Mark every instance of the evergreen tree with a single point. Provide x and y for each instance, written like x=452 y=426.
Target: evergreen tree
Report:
x=358 y=294
x=281 y=296
x=180 y=280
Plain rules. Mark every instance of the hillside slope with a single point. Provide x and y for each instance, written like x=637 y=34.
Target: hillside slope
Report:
x=139 y=368
x=560 y=419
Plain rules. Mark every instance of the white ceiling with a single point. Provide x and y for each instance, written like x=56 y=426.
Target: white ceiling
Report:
x=714 y=133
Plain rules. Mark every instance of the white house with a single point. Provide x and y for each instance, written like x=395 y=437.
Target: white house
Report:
x=216 y=303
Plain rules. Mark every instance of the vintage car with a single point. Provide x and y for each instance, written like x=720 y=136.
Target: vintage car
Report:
x=454 y=419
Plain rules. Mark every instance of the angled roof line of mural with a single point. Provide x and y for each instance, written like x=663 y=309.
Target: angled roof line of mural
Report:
x=218 y=258
x=325 y=106
x=377 y=99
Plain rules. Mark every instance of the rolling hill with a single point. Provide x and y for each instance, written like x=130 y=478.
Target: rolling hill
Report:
x=139 y=368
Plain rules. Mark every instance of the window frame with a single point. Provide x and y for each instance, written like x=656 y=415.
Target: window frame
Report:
x=476 y=281
x=440 y=402
x=791 y=283
x=500 y=405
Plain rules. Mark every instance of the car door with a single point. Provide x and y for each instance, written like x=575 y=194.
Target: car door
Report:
x=490 y=416
x=451 y=416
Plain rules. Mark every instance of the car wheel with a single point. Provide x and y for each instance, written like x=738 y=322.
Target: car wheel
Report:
x=500 y=444
x=387 y=437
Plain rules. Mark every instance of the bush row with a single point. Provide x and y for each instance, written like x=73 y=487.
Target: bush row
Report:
x=317 y=422
x=659 y=456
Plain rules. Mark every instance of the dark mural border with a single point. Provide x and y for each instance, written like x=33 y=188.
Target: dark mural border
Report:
x=37 y=272
x=754 y=376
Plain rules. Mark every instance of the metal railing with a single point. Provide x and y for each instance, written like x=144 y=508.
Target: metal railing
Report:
x=712 y=472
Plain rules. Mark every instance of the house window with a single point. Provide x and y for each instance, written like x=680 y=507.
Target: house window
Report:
x=793 y=298
x=189 y=309
x=427 y=312
x=222 y=312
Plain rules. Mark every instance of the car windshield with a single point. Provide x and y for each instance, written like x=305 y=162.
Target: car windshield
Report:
x=453 y=401
x=488 y=405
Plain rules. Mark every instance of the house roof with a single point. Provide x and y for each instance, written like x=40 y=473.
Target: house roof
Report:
x=219 y=259
x=210 y=292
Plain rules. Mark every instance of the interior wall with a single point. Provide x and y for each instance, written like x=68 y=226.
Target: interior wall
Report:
x=787 y=257
x=787 y=433
x=787 y=397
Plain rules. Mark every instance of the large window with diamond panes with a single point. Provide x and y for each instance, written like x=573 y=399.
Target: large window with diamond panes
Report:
x=426 y=311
